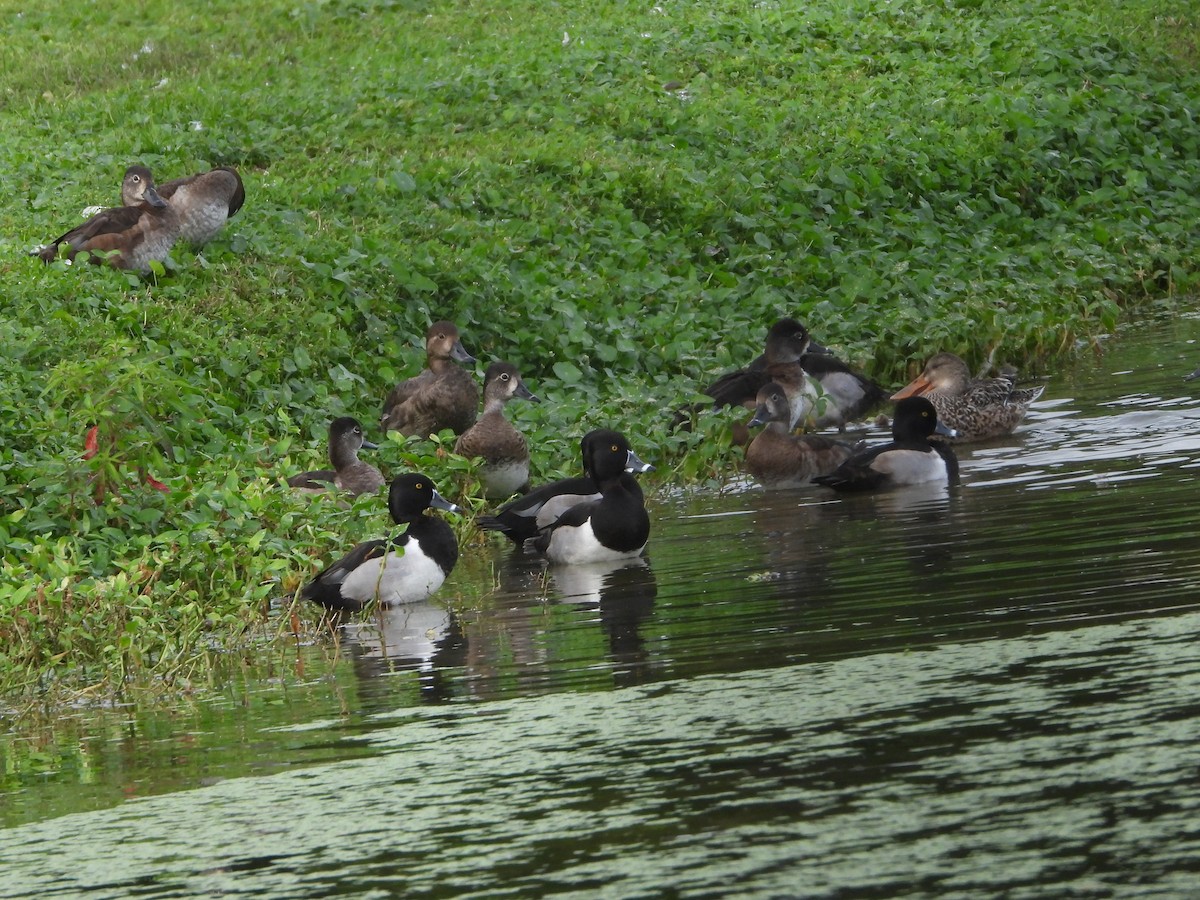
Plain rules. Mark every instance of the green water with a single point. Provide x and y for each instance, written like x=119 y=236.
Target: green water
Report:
x=978 y=692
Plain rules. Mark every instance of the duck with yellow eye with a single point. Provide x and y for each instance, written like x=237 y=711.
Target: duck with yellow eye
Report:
x=909 y=458
x=405 y=569
x=522 y=519
x=615 y=526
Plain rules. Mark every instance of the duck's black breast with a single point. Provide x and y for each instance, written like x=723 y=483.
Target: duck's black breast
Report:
x=619 y=520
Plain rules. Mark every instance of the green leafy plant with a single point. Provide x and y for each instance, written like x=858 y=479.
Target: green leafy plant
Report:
x=622 y=215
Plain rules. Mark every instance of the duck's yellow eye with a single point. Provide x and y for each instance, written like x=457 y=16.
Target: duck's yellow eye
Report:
x=419 y=486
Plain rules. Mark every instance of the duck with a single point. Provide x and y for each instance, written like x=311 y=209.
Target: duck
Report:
x=833 y=394
x=615 y=526
x=845 y=395
x=505 y=453
x=977 y=409
x=777 y=458
x=405 y=569
x=909 y=458
x=349 y=473
x=442 y=396
x=141 y=232
x=787 y=343
x=523 y=518
x=203 y=202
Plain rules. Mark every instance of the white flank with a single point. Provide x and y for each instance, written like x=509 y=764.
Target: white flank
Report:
x=842 y=391
x=802 y=405
x=395 y=578
x=911 y=466
x=571 y=545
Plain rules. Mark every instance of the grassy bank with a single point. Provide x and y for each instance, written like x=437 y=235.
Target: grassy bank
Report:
x=618 y=198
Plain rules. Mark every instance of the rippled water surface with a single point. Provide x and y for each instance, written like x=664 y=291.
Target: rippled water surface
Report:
x=988 y=691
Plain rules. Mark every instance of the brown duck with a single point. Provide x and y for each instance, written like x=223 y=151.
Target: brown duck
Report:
x=442 y=396
x=787 y=342
x=349 y=473
x=203 y=202
x=776 y=457
x=127 y=237
x=504 y=451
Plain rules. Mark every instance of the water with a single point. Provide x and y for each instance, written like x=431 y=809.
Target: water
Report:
x=978 y=692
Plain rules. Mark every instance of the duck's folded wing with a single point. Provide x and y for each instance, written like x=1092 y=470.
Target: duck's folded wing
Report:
x=405 y=390
x=737 y=388
x=110 y=221
x=572 y=518
x=336 y=573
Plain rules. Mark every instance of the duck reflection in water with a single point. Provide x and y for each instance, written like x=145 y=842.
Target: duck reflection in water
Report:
x=422 y=637
x=917 y=521
x=797 y=551
x=623 y=592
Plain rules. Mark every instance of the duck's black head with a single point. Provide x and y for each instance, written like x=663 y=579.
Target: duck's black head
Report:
x=916 y=419
x=411 y=495
x=606 y=454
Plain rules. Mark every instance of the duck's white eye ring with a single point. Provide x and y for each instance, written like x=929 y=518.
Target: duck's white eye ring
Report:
x=504 y=376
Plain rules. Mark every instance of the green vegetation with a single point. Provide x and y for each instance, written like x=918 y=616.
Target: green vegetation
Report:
x=618 y=198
